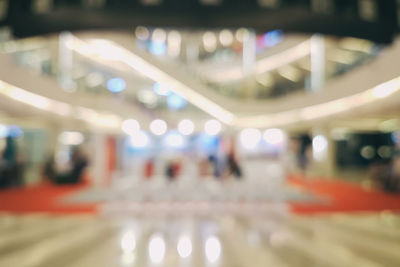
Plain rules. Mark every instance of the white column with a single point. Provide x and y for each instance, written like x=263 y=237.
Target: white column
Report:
x=323 y=152
x=317 y=62
x=98 y=160
x=249 y=63
x=65 y=61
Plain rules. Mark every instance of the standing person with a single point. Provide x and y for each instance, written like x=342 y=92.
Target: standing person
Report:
x=233 y=165
x=169 y=171
x=303 y=159
x=149 y=169
x=214 y=162
x=9 y=165
x=232 y=161
x=79 y=162
x=204 y=167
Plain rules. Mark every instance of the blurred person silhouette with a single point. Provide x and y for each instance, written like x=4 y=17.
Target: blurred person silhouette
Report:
x=169 y=171
x=173 y=169
x=48 y=168
x=396 y=168
x=149 y=168
x=10 y=167
x=215 y=166
x=74 y=175
x=204 y=167
x=302 y=155
x=385 y=173
x=233 y=165
x=381 y=172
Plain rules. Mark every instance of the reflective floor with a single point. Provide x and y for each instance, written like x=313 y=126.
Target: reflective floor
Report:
x=268 y=239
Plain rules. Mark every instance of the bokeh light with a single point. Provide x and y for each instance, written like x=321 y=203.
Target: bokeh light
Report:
x=130 y=126
x=116 y=85
x=156 y=249
x=212 y=127
x=174 y=139
x=226 y=37
x=158 y=127
x=213 y=249
x=209 y=41
x=71 y=138
x=250 y=137
x=273 y=136
x=128 y=242
x=184 y=247
x=186 y=127
x=176 y=102
x=319 y=146
x=139 y=139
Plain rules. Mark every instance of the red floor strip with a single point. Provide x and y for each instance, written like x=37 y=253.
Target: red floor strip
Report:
x=42 y=198
x=343 y=196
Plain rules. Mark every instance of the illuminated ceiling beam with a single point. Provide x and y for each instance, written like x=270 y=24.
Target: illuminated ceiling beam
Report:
x=266 y=64
x=102 y=50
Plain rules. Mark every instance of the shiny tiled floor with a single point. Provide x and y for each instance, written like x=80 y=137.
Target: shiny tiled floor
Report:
x=273 y=239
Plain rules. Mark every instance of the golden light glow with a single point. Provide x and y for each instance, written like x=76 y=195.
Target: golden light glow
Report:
x=99 y=119
x=118 y=53
x=266 y=64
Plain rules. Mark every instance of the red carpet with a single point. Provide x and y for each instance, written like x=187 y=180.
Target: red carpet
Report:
x=42 y=198
x=344 y=197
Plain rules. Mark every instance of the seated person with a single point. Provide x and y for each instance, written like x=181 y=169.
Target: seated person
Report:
x=72 y=176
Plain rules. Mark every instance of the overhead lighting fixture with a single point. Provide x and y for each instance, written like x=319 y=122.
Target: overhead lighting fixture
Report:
x=107 y=120
x=176 y=102
x=174 y=139
x=174 y=43
x=94 y=79
x=273 y=136
x=142 y=33
x=259 y=121
x=250 y=137
x=368 y=9
x=242 y=34
x=116 y=85
x=130 y=126
x=386 y=89
x=161 y=89
x=154 y=73
x=211 y=2
x=186 y=127
x=209 y=41
x=159 y=35
x=71 y=138
x=226 y=37
x=139 y=139
x=269 y=3
x=147 y=97
x=367 y=152
x=158 y=127
x=212 y=127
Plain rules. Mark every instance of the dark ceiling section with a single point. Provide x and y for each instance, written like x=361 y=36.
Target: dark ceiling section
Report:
x=371 y=19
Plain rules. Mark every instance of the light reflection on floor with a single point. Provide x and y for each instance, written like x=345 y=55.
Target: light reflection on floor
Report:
x=217 y=240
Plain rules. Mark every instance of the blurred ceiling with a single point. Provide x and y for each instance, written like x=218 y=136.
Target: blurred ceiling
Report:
x=369 y=19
